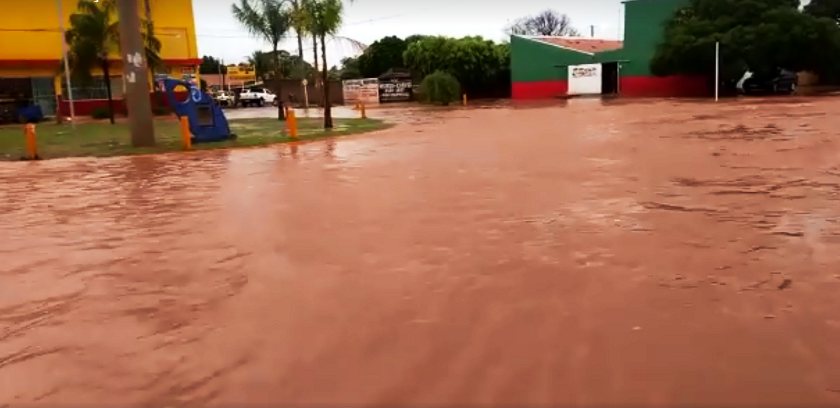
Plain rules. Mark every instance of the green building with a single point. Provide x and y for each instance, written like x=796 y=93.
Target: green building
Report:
x=550 y=67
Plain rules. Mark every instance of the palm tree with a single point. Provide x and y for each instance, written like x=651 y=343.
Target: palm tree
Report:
x=297 y=24
x=270 y=20
x=93 y=36
x=153 y=65
x=323 y=19
x=263 y=65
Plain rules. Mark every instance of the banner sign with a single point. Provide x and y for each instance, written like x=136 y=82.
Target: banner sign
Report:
x=395 y=90
x=241 y=73
x=361 y=90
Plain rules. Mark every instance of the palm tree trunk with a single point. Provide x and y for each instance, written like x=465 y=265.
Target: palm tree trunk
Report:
x=315 y=61
x=106 y=73
x=278 y=87
x=328 y=122
x=300 y=63
x=300 y=45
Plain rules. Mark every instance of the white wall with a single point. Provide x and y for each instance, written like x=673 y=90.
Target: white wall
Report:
x=585 y=79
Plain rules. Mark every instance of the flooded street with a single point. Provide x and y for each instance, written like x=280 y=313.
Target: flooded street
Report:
x=650 y=252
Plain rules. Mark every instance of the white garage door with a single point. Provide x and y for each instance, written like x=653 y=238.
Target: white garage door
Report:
x=585 y=79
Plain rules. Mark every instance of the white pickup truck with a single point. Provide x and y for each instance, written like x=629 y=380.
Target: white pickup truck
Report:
x=256 y=96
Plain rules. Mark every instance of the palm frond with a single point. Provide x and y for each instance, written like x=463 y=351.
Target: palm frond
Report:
x=94 y=35
x=250 y=19
x=357 y=45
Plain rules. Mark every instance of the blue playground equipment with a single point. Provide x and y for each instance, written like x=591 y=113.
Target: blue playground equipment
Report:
x=207 y=120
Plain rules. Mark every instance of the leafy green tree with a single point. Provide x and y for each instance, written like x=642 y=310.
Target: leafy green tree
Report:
x=350 y=69
x=440 y=88
x=478 y=64
x=824 y=8
x=211 y=66
x=269 y=20
x=411 y=39
x=334 y=74
x=323 y=19
x=263 y=65
x=759 y=35
x=381 y=56
x=93 y=36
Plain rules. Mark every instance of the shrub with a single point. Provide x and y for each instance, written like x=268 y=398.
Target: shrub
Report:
x=100 y=113
x=440 y=88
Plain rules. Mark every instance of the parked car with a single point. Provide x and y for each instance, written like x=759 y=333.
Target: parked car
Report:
x=256 y=96
x=780 y=81
x=223 y=98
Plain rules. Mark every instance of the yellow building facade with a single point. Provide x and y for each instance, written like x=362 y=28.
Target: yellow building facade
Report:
x=31 y=49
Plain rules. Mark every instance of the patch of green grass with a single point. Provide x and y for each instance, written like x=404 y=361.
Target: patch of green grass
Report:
x=101 y=139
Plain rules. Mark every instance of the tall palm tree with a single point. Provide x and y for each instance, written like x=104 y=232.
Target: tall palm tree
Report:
x=323 y=19
x=297 y=23
x=93 y=36
x=270 y=20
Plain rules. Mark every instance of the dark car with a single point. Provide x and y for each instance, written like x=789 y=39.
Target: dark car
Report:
x=778 y=81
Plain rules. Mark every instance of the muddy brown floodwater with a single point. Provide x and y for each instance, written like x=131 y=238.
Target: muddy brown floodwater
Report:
x=652 y=252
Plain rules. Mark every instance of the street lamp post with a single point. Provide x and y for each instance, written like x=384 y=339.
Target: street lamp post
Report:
x=135 y=74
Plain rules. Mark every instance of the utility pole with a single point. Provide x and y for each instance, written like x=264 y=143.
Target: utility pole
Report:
x=135 y=74
x=221 y=74
x=64 y=54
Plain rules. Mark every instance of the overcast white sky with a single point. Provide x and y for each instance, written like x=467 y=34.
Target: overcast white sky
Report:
x=369 y=20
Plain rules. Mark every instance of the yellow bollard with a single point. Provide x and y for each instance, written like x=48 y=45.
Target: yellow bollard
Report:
x=186 y=137
x=465 y=99
x=362 y=108
x=31 y=142
x=291 y=120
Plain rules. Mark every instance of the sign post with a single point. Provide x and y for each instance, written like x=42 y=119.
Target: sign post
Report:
x=305 y=93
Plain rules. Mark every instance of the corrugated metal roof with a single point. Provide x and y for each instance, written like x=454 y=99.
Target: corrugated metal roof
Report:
x=587 y=45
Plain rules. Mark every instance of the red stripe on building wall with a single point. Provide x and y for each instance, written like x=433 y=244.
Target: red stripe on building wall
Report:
x=671 y=86
x=86 y=107
x=636 y=86
x=539 y=90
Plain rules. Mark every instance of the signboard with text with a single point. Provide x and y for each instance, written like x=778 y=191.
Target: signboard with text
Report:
x=585 y=79
x=241 y=73
x=395 y=90
x=361 y=90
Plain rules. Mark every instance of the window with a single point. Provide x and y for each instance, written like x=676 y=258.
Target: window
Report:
x=95 y=89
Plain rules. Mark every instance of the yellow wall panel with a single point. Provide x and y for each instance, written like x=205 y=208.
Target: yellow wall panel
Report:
x=30 y=29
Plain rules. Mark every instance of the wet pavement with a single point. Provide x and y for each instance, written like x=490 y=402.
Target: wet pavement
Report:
x=649 y=252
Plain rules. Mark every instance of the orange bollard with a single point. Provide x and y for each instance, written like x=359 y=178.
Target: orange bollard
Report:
x=31 y=142
x=291 y=120
x=186 y=136
x=362 y=107
x=465 y=99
